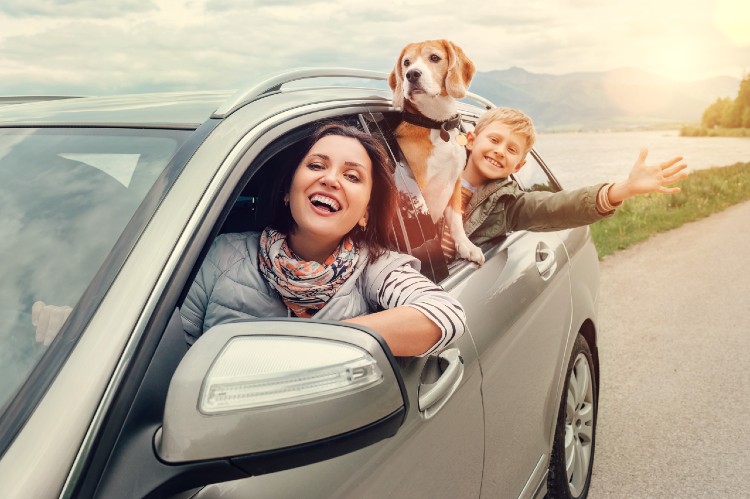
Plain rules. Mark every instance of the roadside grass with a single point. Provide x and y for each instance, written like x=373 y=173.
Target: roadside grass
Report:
x=704 y=192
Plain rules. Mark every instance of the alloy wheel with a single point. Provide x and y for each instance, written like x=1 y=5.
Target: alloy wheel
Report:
x=579 y=425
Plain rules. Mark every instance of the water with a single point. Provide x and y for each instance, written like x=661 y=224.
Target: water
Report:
x=580 y=159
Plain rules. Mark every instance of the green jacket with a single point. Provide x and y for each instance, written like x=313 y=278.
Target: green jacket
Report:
x=501 y=206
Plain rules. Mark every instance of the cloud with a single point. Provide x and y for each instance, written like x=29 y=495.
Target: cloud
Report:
x=74 y=8
x=202 y=44
x=234 y=5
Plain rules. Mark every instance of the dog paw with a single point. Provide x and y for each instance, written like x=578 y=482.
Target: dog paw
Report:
x=470 y=252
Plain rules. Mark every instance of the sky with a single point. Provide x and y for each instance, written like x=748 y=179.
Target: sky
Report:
x=104 y=47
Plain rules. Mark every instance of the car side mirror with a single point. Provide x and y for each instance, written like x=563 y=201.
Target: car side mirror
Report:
x=275 y=394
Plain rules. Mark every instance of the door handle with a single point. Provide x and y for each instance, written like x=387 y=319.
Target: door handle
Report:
x=546 y=263
x=433 y=396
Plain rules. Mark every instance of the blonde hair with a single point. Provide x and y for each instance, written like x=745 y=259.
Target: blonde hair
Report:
x=518 y=122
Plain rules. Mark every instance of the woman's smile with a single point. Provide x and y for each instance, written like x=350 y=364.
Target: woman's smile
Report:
x=324 y=204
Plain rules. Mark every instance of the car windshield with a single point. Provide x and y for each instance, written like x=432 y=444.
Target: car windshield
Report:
x=65 y=197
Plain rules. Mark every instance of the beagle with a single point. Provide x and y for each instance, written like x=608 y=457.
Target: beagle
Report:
x=426 y=81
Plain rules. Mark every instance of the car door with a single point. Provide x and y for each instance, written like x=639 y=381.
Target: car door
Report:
x=519 y=310
x=525 y=284
x=438 y=452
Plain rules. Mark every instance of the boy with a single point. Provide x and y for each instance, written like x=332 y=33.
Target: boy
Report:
x=494 y=205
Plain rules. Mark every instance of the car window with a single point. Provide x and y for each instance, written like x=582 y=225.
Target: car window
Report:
x=250 y=211
x=534 y=176
x=65 y=197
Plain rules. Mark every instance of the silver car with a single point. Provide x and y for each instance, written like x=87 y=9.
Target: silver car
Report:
x=109 y=205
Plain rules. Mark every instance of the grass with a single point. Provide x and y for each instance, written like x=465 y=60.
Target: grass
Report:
x=697 y=131
x=704 y=192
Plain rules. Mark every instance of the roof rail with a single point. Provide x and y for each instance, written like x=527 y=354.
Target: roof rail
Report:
x=488 y=104
x=274 y=83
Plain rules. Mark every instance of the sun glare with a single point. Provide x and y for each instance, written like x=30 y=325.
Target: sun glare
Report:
x=733 y=19
x=676 y=60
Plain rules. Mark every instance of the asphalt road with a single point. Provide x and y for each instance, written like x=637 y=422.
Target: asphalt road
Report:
x=674 y=413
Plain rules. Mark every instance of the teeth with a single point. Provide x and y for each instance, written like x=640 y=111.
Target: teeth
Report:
x=493 y=162
x=330 y=202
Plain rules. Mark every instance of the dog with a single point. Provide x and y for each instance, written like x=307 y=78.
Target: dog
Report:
x=426 y=80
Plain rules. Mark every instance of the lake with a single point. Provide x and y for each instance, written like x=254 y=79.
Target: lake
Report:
x=579 y=159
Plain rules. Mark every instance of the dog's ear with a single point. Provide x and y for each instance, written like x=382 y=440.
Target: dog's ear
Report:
x=460 y=71
x=396 y=82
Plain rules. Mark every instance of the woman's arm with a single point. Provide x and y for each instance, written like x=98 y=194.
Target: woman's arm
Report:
x=419 y=317
x=407 y=331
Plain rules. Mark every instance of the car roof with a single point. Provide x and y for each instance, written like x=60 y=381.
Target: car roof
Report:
x=190 y=109
x=183 y=109
x=176 y=109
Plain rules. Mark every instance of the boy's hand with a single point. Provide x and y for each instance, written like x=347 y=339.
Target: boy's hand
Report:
x=644 y=178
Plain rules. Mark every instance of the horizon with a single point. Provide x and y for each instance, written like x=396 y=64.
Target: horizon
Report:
x=40 y=96
x=87 y=47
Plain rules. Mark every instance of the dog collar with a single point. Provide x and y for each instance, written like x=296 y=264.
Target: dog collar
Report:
x=443 y=126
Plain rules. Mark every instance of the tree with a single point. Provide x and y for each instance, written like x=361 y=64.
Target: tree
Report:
x=746 y=118
x=742 y=102
x=743 y=95
x=732 y=116
x=730 y=113
x=713 y=114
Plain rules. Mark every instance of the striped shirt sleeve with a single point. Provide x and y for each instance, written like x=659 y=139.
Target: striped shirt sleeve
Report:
x=405 y=286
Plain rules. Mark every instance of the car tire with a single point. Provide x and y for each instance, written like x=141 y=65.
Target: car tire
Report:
x=575 y=434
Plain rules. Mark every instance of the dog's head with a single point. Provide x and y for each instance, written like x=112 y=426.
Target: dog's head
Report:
x=429 y=69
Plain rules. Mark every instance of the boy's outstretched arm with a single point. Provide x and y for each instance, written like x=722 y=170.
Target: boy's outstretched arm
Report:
x=644 y=179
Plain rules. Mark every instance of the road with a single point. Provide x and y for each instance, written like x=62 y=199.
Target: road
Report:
x=674 y=413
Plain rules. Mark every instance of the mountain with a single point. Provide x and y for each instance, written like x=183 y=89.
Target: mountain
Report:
x=621 y=98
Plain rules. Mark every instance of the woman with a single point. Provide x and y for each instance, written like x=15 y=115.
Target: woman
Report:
x=326 y=254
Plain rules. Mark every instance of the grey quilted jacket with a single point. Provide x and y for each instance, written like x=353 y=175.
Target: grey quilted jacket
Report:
x=229 y=286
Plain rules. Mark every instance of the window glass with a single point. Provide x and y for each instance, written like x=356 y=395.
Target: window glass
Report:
x=534 y=177
x=415 y=232
x=65 y=197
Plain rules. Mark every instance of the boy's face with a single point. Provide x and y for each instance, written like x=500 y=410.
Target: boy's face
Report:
x=495 y=152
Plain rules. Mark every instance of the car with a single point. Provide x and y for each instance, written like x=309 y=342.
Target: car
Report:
x=109 y=206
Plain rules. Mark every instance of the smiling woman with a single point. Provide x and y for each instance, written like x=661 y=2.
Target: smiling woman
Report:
x=327 y=254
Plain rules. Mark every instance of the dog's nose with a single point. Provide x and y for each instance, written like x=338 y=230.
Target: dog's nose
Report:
x=413 y=75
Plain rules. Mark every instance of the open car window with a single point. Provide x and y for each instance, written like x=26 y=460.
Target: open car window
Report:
x=412 y=229
x=534 y=176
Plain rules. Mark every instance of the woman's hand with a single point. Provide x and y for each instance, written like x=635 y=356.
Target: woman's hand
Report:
x=48 y=320
x=644 y=179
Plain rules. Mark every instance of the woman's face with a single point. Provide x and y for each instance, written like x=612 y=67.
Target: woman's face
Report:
x=329 y=194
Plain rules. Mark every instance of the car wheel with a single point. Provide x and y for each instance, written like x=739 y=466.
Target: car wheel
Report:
x=573 y=449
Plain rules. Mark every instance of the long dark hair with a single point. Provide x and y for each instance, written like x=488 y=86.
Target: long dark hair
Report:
x=377 y=236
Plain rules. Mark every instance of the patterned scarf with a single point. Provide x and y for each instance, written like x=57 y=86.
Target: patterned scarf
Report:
x=304 y=286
